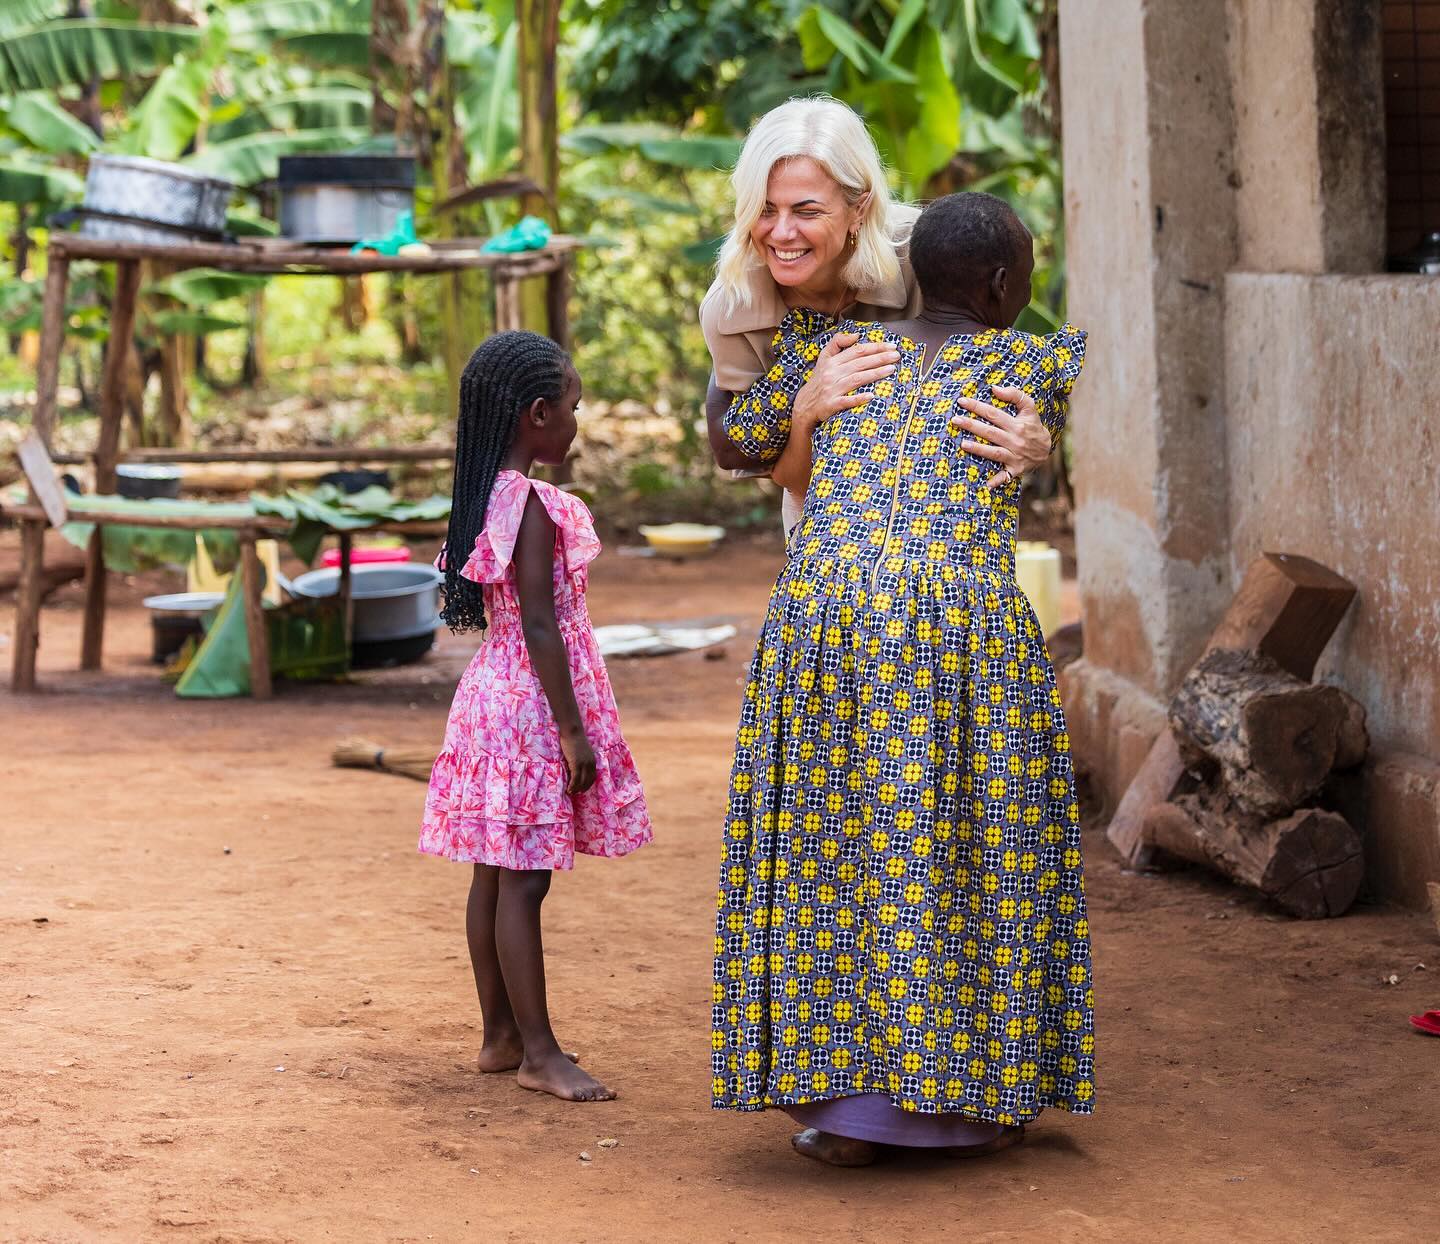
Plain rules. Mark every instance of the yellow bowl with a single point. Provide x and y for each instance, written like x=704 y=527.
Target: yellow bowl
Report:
x=682 y=539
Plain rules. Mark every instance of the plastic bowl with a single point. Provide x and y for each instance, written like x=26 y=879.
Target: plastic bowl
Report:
x=683 y=539
x=367 y=556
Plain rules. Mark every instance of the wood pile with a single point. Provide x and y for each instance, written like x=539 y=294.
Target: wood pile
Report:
x=1258 y=746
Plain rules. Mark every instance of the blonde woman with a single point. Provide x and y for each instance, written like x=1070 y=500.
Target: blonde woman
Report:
x=816 y=227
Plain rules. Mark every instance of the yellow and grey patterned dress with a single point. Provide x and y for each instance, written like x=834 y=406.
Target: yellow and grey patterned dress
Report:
x=902 y=898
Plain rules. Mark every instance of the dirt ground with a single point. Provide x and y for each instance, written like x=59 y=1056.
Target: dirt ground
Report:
x=236 y=1004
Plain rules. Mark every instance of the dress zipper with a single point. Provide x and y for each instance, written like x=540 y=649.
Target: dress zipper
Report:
x=899 y=464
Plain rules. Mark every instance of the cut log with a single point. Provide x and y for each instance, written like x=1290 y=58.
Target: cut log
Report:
x=1354 y=741
x=1308 y=863
x=1273 y=737
x=1287 y=608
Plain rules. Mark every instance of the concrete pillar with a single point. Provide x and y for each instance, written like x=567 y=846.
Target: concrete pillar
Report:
x=1151 y=232
x=1309 y=135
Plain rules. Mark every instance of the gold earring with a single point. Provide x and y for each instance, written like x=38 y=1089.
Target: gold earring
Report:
x=855 y=237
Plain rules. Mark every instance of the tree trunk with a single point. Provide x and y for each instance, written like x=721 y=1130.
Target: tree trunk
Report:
x=393 y=50
x=89 y=104
x=464 y=296
x=1309 y=862
x=1273 y=737
x=536 y=40
x=252 y=367
x=173 y=430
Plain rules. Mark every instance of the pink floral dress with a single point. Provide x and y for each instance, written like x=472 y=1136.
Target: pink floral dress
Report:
x=497 y=791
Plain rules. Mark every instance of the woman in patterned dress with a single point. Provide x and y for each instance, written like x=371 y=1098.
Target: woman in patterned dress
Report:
x=902 y=950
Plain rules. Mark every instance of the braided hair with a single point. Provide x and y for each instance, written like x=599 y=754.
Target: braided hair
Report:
x=504 y=376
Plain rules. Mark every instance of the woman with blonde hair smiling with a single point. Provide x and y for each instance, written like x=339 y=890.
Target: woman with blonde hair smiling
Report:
x=816 y=227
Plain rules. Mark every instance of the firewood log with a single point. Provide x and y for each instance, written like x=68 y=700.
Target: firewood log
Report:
x=1273 y=738
x=1287 y=607
x=1309 y=863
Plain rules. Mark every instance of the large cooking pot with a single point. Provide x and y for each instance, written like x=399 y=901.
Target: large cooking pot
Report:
x=135 y=199
x=337 y=200
x=390 y=601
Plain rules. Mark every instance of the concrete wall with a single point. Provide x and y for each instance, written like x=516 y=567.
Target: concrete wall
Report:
x=1223 y=159
x=1334 y=452
x=1151 y=232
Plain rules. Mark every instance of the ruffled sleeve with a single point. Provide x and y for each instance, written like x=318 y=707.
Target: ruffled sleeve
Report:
x=1066 y=349
x=575 y=541
x=758 y=421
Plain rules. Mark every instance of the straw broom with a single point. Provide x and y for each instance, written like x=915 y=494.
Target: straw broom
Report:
x=411 y=762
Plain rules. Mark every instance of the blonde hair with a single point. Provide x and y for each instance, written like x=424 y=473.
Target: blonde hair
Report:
x=833 y=135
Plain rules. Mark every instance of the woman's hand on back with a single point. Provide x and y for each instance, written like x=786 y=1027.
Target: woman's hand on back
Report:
x=1019 y=442
x=845 y=364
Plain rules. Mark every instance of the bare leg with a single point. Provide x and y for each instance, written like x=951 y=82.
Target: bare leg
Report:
x=502 y=1049
x=545 y=1068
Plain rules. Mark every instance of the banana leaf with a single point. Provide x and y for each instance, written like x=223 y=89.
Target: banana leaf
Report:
x=16 y=15
x=256 y=157
x=46 y=126
x=71 y=53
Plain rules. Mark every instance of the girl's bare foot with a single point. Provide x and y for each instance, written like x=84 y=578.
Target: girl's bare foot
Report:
x=834 y=1150
x=557 y=1075
x=506 y=1054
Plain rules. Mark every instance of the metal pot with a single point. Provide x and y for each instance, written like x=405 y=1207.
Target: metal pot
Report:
x=390 y=602
x=135 y=199
x=147 y=480
x=176 y=617
x=339 y=199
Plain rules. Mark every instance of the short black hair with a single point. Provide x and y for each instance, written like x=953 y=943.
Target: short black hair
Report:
x=959 y=240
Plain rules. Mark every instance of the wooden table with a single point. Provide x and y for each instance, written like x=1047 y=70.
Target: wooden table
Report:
x=257 y=255
x=249 y=528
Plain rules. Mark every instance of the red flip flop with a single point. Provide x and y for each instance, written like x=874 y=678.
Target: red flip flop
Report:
x=1429 y=1022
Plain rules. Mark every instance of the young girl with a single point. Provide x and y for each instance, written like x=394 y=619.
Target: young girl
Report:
x=534 y=767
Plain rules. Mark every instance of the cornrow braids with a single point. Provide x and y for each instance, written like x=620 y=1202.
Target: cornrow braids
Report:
x=504 y=376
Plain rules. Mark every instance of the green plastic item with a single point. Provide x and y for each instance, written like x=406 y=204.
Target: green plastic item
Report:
x=307 y=641
x=403 y=234
x=531 y=234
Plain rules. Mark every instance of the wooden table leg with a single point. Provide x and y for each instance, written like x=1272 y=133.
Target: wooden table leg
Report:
x=29 y=593
x=92 y=635
x=345 y=591
x=252 y=584
x=557 y=302
x=112 y=383
x=52 y=345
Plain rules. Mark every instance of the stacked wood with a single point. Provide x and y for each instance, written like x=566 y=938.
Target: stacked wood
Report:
x=1259 y=745
x=1286 y=609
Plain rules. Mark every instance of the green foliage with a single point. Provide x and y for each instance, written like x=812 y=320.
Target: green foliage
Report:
x=195 y=323
x=165 y=122
x=200 y=287
x=253 y=158
x=71 y=53
x=42 y=123
x=674 y=59
x=24 y=182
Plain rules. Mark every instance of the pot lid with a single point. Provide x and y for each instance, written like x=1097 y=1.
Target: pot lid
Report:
x=144 y=164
